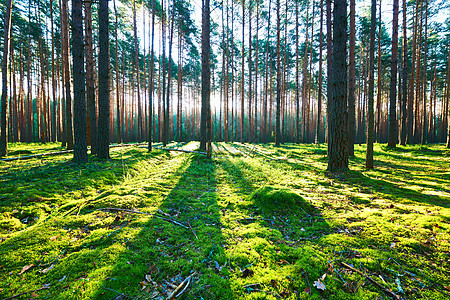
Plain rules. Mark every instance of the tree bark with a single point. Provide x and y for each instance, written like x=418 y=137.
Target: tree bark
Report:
x=4 y=102
x=337 y=105
x=90 y=90
x=68 y=96
x=370 y=112
x=79 y=82
x=404 y=79
x=278 y=108
x=393 y=126
x=352 y=82
x=103 y=81
x=205 y=125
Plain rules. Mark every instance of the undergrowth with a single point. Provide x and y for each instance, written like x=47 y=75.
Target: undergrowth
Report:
x=255 y=222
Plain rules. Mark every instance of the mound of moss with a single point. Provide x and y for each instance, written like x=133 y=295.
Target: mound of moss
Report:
x=279 y=198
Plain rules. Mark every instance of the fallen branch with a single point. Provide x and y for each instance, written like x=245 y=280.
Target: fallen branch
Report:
x=181 y=288
x=46 y=286
x=385 y=290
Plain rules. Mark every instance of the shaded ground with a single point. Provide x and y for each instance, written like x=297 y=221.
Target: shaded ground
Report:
x=256 y=222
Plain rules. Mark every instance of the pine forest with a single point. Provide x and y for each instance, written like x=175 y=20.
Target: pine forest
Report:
x=225 y=149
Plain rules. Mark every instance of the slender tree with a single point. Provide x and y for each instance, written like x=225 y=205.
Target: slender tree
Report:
x=393 y=126
x=4 y=102
x=278 y=99
x=320 y=90
x=90 y=89
x=68 y=96
x=205 y=125
x=103 y=81
x=404 y=101
x=79 y=81
x=351 y=81
x=370 y=111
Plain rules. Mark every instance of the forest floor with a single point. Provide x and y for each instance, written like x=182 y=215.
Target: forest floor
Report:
x=255 y=222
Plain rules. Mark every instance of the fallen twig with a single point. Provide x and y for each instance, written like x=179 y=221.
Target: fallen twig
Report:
x=46 y=286
x=181 y=287
x=385 y=290
x=189 y=223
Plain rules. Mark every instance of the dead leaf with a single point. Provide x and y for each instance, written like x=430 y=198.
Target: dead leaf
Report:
x=34 y=295
x=148 y=278
x=54 y=238
x=307 y=290
x=319 y=285
x=26 y=268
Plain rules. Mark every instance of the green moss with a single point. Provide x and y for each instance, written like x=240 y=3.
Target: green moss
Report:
x=271 y=210
x=278 y=198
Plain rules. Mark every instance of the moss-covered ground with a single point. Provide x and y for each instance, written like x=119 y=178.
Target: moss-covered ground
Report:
x=255 y=222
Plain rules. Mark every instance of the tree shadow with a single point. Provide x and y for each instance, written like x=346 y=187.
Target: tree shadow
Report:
x=168 y=252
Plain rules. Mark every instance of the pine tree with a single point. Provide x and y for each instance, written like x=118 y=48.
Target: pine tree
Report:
x=103 y=81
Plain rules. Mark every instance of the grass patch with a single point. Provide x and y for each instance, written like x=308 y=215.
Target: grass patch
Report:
x=256 y=222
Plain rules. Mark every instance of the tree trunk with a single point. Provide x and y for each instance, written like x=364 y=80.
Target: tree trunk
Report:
x=404 y=79
x=378 y=124
x=278 y=109
x=68 y=97
x=103 y=81
x=370 y=114
x=424 y=94
x=320 y=91
x=351 y=82
x=337 y=105
x=393 y=126
x=4 y=108
x=90 y=90
x=205 y=125
x=242 y=119
x=79 y=81
x=297 y=78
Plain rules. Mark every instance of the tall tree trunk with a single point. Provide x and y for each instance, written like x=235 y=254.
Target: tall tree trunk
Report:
x=68 y=97
x=320 y=92
x=424 y=94
x=255 y=121
x=242 y=119
x=351 y=82
x=90 y=90
x=393 y=126
x=404 y=79
x=4 y=101
x=278 y=109
x=329 y=65
x=54 y=85
x=337 y=105
x=103 y=81
x=250 y=75
x=297 y=78
x=264 y=122
x=138 y=82
x=205 y=125
x=119 y=117
x=169 y=75
x=151 y=84
x=378 y=124
x=79 y=81
x=370 y=114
